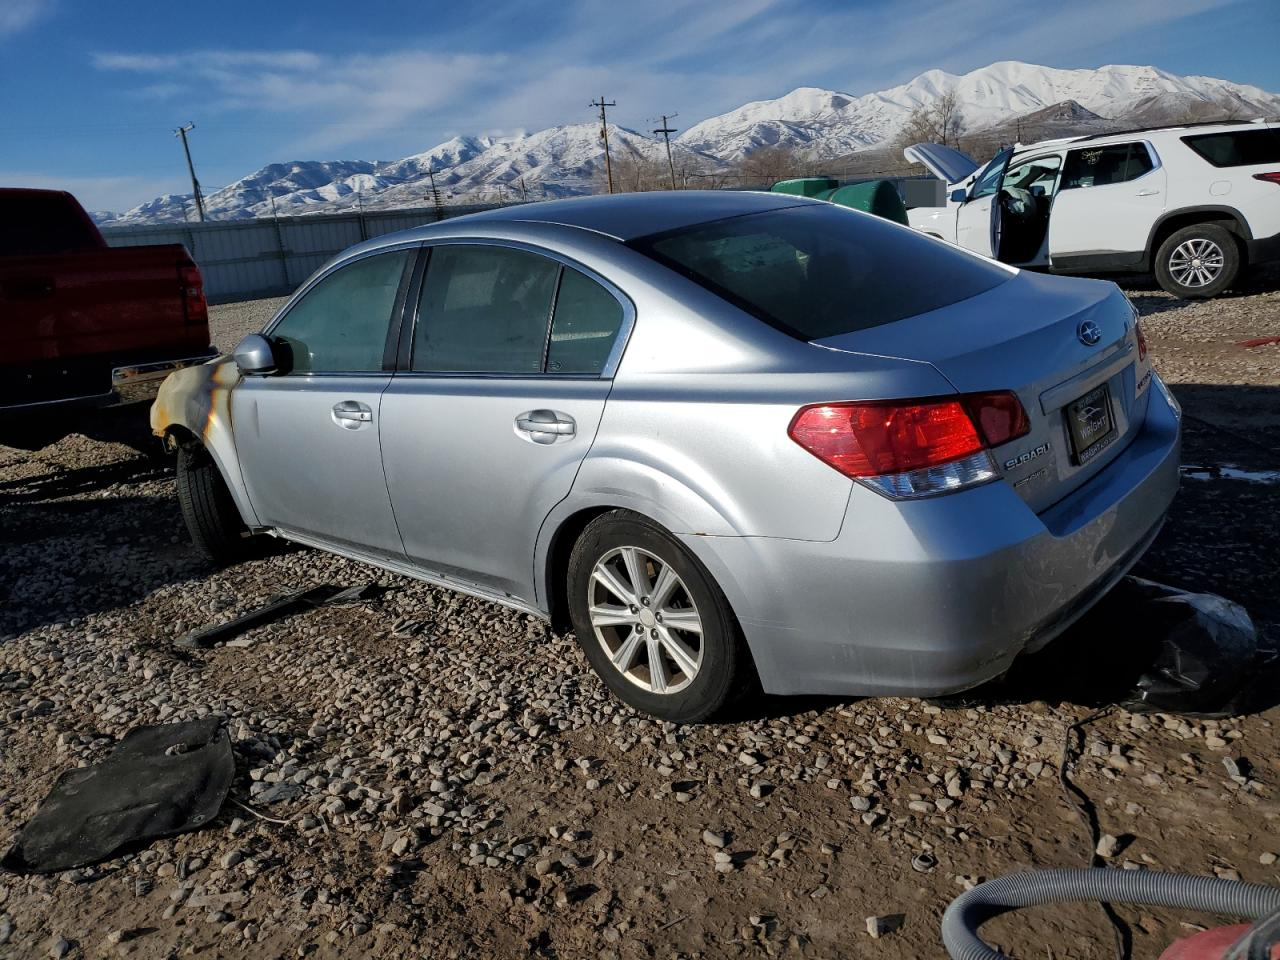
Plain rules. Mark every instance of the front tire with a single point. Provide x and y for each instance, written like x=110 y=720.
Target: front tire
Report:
x=212 y=519
x=652 y=621
x=1198 y=262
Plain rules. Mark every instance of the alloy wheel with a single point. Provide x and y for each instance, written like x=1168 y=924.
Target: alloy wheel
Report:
x=1196 y=262
x=646 y=620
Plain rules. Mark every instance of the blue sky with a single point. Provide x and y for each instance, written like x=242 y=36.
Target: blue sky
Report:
x=91 y=90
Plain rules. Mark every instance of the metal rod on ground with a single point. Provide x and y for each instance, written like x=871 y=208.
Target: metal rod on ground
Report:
x=604 y=135
x=666 y=130
x=195 y=184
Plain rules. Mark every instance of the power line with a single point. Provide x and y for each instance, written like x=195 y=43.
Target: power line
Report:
x=666 y=130
x=604 y=135
x=195 y=184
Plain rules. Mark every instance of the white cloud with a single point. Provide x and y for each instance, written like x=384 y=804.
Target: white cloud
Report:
x=16 y=15
x=116 y=193
x=659 y=56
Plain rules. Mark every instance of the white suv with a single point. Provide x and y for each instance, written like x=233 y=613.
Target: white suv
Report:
x=1194 y=204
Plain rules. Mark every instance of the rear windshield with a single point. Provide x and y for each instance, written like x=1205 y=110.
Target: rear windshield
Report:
x=1238 y=148
x=820 y=270
x=32 y=224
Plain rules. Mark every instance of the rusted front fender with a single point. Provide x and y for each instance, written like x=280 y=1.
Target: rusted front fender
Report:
x=198 y=400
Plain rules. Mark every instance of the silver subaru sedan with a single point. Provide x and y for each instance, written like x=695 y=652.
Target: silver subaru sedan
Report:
x=726 y=437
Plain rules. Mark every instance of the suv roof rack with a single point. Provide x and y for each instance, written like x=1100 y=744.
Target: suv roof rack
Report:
x=1167 y=126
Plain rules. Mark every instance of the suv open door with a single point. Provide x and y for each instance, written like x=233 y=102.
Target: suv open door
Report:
x=978 y=219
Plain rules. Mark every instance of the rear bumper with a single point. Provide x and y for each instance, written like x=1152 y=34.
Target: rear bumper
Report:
x=90 y=381
x=936 y=596
x=1264 y=249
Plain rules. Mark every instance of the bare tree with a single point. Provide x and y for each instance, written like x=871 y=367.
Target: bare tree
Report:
x=763 y=167
x=937 y=122
x=633 y=172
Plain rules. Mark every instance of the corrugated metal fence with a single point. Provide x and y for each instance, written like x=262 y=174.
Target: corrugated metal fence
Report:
x=245 y=259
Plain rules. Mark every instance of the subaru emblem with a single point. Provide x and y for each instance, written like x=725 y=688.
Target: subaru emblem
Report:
x=1089 y=333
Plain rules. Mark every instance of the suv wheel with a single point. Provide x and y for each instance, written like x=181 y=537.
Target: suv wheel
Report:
x=655 y=626
x=212 y=518
x=1198 y=262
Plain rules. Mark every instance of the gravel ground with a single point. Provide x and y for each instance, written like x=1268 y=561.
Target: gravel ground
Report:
x=431 y=775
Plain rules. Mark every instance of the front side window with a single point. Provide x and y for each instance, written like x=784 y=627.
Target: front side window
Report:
x=484 y=309
x=1237 y=148
x=989 y=180
x=1100 y=166
x=820 y=270
x=340 y=325
x=1041 y=172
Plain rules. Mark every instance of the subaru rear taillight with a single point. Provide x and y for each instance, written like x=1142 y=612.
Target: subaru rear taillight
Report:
x=195 y=308
x=1268 y=177
x=912 y=448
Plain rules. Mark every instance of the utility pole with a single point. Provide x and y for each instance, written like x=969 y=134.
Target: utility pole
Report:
x=435 y=196
x=666 y=132
x=195 y=184
x=604 y=135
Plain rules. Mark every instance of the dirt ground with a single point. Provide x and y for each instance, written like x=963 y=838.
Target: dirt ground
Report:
x=428 y=775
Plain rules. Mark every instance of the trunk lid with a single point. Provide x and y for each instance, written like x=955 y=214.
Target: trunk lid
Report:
x=1029 y=336
x=946 y=163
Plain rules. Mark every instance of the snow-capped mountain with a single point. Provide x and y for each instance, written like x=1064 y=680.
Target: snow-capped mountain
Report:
x=828 y=123
x=567 y=160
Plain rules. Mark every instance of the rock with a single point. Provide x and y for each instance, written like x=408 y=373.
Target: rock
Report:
x=1266 y=859
x=879 y=926
x=279 y=793
x=1108 y=846
x=713 y=838
x=861 y=804
x=59 y=948
x=230 y=859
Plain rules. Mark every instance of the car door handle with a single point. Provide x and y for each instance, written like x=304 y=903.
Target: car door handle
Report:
x=1147 y=193
x=350 y=414
x=545 y=426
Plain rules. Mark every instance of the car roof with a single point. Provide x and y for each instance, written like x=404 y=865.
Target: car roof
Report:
x=626 y=216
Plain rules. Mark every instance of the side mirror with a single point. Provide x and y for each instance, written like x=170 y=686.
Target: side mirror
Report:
x=959 y=196
x=254 y=356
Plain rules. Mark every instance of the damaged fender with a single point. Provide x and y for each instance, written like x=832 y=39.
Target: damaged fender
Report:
x=198 y=400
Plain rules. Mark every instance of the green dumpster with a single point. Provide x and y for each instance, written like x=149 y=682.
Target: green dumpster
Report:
x=804 y=186
x=875 y=196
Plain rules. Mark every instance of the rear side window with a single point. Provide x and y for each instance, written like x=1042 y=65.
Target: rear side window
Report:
x=819 y=270
x=340 y=325
x=1238 y=148
x=484 y=309
x=586 y=324
x=35 y=224
x=1099 y=166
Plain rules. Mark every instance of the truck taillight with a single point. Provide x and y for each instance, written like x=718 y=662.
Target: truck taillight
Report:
x=1269 y=177
x=912 y=448
x=195 y=307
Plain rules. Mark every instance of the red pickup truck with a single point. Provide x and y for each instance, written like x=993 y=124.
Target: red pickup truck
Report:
x=84 y=324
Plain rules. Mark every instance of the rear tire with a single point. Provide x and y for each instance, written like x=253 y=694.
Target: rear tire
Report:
x=1198 y=262
x=698 y=630
x=212 y=519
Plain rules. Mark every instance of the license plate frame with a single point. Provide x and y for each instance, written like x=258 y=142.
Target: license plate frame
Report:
x=1091 y=423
